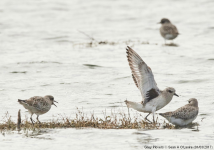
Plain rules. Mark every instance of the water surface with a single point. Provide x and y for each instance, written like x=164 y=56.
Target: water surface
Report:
x=43 y=51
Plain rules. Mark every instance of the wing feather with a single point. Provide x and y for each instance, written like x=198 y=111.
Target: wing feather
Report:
x=170 y=29
x=37 y=102
x=142 y=76
x=185 y=112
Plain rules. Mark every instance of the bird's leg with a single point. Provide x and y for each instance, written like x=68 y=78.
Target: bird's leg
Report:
x=32 y=119
x=153 y=117
x=129 y=115
x=153 y=112
x=147 y=116
x=37 y=118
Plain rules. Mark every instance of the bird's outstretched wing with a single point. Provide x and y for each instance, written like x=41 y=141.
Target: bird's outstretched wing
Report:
x=142 y=76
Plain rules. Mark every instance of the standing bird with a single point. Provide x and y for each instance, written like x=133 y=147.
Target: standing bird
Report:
x=168 y=31
x=153 y=98
x=183 y=115
x=38 y=105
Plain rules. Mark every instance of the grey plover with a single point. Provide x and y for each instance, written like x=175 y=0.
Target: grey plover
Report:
x=183 y=115
x=38 y=105
x=153 y=98
x=168 y=31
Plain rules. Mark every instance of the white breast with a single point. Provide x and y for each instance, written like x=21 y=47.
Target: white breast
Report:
x=169 y=36
x=158 y=102
x=181 y=122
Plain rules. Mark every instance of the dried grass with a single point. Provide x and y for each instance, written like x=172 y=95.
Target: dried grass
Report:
x=113 y=121
x=95 y=43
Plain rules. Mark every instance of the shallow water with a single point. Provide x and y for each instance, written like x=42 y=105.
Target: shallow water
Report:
x=43 y=51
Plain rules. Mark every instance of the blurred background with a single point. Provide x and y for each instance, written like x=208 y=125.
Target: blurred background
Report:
x=75 y=51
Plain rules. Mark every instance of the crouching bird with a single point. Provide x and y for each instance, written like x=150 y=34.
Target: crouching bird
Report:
x=183 y=115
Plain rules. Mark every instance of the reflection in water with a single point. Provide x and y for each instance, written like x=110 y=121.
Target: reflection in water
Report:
x=42 y=58
x=39 y=134
x=193 y=81
x=18 y=72
x=145 y=138
x=171 y=44
x=39 y=62
x=122 y=78
x=194 y=126
x=91 y=66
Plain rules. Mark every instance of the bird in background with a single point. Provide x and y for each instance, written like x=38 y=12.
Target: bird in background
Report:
x=38 y=105
x=153 y=99
x=183 y=115
x=167 y=30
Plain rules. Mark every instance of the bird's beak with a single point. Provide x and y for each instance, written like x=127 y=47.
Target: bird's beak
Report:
x=54 y=104
x=176 y=94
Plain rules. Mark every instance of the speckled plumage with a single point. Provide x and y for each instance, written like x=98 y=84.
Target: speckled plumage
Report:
x=183 y=115
x=168 y=31
x=38 y=105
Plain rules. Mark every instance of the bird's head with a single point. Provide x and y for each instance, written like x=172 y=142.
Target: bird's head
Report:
x=193 y=101
x=164 y=20
x=51 y=98
x=170 y=91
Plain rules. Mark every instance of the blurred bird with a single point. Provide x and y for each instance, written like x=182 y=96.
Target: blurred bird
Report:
x=38 y=105
x=183 y=115
x=168 y=31
x=153 y=98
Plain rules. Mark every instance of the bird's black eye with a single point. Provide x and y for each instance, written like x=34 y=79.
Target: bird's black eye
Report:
x=170 y=91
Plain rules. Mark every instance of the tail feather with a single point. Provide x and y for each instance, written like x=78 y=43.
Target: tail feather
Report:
x=134 y=105
x=165 y=115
